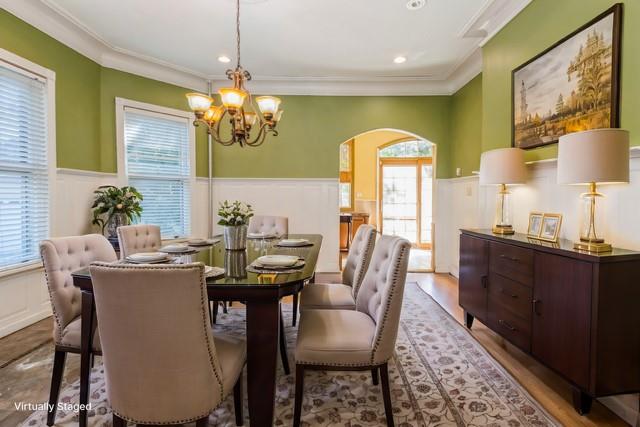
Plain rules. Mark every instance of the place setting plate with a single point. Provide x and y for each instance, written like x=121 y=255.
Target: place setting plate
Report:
x=213 y=272
x=149 y=258
x=294 y=243
x=177 y=249
x=202 y=242
x=276 y=263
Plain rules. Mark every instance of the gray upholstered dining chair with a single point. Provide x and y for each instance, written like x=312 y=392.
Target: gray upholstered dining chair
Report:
x=162 y=363
x=60 y=257
x=138 y=238
x=360 y=339
x=343 y=295
x=269 y=224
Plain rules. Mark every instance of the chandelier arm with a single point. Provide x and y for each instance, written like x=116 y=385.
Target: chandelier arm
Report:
x=260 y=135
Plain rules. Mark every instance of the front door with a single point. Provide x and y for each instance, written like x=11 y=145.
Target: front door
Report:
x=405 y=189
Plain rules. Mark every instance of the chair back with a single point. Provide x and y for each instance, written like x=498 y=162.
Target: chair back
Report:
x=381 y=293
x=359 y=257
x=269 y=224
x=61 y=256
x=138 y=238
x=160 y=360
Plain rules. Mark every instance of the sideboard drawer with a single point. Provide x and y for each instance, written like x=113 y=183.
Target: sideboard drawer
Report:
x=512 y=295
x=512 y=261
x=512 y=327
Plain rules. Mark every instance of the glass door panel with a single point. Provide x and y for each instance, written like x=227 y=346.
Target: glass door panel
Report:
x=400 y=201
x=426 y=197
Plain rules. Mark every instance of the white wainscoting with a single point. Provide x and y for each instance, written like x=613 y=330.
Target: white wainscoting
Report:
x=23 y=296
x=462 y=203
x=310 y=204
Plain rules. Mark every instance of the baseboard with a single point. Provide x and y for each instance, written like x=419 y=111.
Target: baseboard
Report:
x=23 y=322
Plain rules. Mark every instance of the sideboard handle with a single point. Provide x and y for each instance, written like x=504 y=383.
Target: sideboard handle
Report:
x=506 y=325
x=483 y=281
x=507 y=293
x=535 y=306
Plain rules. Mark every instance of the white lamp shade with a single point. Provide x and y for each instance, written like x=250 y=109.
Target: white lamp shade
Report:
x=598 y=155
x=503 y=166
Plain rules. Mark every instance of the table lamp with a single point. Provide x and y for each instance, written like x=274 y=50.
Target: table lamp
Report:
x=502 y=167
x=599 y=156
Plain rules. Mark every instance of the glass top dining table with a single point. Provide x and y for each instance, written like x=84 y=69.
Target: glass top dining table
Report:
x=261 y=292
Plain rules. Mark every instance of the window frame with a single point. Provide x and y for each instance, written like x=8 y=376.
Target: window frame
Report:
x=156 y=110
x=31 y=69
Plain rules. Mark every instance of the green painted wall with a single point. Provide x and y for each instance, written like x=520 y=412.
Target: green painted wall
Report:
x=117 y=84
x=540 y=25
x=310 y=133
x=313 y=127
x=77 y=91
x=466 y=128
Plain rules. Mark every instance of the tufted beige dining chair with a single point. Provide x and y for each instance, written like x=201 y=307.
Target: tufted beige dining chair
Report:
x=343 y=295
x=162 y=363
x=138 y=238
x=360 y=339
x=61 y=256
x=269 y=224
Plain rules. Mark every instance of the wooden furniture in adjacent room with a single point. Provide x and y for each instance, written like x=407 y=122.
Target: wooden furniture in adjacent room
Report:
x=349 y=223
x=577 y=313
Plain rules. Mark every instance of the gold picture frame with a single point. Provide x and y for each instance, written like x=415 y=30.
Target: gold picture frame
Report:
x=535 y=224
x=550 y=228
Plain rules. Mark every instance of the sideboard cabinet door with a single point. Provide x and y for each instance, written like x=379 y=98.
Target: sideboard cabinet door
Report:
x=562 y=315
x=474 y=265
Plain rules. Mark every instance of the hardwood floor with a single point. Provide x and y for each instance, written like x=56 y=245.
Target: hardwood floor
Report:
x=26 y=356
x=553 y=393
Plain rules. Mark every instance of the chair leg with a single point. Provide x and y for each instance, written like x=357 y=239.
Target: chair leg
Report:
x=237 y=401
x=297 y=409
x=374 y=376
x=295 y=309
x=59 y=359
x=214 y=313
x=118 y=422
x=283 y=347
x=224 y=307
x=386 y=394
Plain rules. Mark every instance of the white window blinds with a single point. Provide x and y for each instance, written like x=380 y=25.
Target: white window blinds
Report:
x=158 y=165
x=24 y=192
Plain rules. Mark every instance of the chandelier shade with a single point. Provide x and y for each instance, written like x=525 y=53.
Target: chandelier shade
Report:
x=237 y=102
x=199 y=102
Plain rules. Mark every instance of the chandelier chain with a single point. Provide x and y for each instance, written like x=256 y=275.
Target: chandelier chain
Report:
x=238 y=31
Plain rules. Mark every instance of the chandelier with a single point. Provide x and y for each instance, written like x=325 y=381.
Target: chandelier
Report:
x=242 y=117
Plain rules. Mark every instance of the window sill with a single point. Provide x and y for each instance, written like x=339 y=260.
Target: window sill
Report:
x=12 y=271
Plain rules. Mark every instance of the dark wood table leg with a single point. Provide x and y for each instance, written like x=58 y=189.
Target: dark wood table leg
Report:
x=86 y=343
x=581 y=401
x=263 y=322
x=468 y=319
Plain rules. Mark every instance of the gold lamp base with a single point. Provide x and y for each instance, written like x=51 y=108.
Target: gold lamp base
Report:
x=597 y=246
x=502 y=229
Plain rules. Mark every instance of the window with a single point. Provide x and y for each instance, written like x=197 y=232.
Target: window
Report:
x=346 y=176
x=158 y=161
x=415 y=148
x=24 y=171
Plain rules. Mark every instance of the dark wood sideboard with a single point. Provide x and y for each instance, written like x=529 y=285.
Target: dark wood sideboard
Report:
x=577 y=313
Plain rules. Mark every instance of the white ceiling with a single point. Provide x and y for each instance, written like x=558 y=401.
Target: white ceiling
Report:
x=314 y=41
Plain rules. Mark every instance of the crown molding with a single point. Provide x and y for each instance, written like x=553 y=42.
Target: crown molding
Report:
x=60 y=25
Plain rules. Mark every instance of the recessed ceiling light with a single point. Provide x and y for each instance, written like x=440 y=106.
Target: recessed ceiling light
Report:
x=416 y=4
x=399 y=59
x=224 y=59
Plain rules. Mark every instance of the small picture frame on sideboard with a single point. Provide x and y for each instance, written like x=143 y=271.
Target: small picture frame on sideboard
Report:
x=535 y=224
x=550 y=228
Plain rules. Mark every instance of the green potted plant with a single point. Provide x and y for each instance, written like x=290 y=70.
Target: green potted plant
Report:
x=234 y=217
x=113 y=207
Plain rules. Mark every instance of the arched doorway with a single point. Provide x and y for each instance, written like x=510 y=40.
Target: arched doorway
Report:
x=387 y=180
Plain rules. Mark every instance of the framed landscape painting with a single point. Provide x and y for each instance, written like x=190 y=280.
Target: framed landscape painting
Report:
x=572 y=86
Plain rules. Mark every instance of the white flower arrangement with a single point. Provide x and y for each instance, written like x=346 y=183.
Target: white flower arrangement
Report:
x=234 y=213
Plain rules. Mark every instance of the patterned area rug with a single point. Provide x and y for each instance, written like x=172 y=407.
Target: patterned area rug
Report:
x=441 y=376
